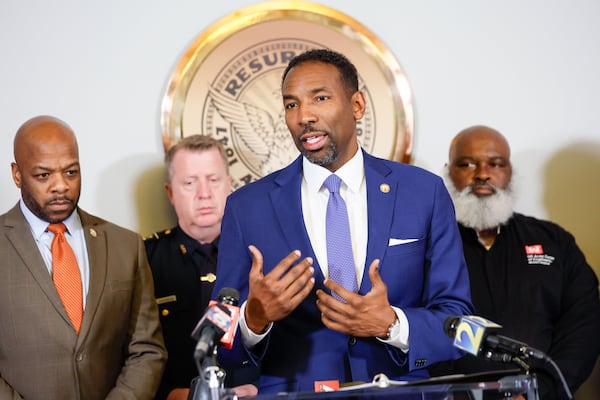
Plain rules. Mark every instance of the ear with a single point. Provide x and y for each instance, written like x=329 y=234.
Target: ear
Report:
x=358 y=104
x=169 y=191
x=230 y=183
x=16 y=174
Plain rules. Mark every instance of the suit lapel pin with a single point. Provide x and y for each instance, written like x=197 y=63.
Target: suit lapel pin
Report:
x=384 y=187
x=93 y=232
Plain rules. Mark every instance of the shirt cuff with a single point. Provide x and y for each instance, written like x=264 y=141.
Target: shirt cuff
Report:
x=250 y=338
x=399 y=336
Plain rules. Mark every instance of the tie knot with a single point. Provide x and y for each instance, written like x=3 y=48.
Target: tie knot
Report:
x=59 y=228
x=332 y=183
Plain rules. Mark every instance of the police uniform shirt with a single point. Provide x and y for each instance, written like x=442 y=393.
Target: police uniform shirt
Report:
x=184 y=276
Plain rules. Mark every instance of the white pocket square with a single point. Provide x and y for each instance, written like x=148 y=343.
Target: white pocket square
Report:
x=396 y=242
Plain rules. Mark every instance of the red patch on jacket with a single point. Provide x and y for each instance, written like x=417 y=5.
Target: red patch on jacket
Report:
x=534 y=249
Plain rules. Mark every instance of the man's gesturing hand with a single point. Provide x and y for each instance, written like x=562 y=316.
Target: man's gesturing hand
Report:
x=361 y=316
x=274 y=296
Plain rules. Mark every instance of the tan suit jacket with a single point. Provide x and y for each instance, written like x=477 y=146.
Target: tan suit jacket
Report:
x=119 y=353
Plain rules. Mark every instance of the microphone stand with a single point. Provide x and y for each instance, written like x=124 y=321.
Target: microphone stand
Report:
x=505 y=358
x=209 y=383
x=522 y=363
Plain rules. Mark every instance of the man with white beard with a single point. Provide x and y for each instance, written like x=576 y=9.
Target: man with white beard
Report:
x=526 y=274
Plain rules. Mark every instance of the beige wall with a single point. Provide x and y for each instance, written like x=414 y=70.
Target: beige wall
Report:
x=571 y=194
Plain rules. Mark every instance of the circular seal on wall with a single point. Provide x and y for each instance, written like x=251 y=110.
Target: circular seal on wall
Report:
x=228 y=85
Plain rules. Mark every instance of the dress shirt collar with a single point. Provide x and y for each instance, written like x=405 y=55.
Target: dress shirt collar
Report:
x=351 y=173
x=38 y=226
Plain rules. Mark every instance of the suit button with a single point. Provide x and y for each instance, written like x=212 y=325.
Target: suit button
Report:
x=165 y=312
x=352 y=341
x=79 y=357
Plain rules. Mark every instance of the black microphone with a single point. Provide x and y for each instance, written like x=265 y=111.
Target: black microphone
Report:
x=218 y=323
x=475 y=336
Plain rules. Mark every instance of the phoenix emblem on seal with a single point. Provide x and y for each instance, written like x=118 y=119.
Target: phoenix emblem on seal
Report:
x=266 y=137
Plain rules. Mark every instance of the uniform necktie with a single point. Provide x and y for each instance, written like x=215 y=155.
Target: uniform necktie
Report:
x=339 y=243
x=205 y=260
x=66 y=276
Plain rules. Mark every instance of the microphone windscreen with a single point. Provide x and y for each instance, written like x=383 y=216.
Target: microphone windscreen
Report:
x=450 y=326
x=228 y=296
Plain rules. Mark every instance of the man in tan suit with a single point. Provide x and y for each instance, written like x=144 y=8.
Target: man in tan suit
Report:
x=119 y=351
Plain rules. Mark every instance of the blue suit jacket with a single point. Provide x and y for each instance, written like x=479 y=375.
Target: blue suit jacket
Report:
x=426 y=278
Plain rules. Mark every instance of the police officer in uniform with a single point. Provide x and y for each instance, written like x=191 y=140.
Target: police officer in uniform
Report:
x=184 y=258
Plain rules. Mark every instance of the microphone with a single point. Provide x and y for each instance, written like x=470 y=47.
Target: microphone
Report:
x=219 y=323
x=230 y=298
x=475 y=336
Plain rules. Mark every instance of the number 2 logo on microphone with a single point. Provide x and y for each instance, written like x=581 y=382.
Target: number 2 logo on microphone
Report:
x=474 y=329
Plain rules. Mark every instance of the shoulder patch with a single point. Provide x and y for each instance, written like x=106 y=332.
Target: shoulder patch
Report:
x=158 y=235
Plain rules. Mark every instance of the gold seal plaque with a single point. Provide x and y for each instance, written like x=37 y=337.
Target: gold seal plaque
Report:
x=228 y=84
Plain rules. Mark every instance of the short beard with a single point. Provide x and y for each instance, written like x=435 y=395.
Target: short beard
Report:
x=481 y=213
x=39 y=210
x=327 y=159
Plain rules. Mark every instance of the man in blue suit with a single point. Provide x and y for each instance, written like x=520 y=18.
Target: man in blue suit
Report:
x=408 y=260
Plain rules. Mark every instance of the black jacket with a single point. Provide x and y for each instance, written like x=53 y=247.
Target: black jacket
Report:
x=536 y=283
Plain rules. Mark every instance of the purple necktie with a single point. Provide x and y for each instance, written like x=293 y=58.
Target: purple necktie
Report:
x=339 y=244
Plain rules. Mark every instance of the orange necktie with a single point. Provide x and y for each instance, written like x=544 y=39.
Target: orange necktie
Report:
x=66 y=276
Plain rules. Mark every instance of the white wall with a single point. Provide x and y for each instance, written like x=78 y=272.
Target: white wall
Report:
x=529 y=69
x=526 y=68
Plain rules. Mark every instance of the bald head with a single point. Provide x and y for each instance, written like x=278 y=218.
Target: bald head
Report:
x=46 y=167
x=466 y=138
x=43 y=128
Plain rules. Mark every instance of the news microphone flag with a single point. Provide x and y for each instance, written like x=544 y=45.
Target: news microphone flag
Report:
x=471 y=332
x=230 y=326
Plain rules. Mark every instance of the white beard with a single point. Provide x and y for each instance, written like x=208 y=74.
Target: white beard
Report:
x=481 y=213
